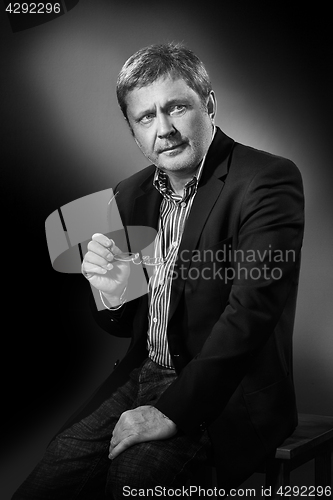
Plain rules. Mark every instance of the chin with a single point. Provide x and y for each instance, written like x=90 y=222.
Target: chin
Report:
x=179 y=164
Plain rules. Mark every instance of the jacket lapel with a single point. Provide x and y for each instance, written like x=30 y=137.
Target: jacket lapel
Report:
x=209 y=190
x=144 y=218
x=146 y=207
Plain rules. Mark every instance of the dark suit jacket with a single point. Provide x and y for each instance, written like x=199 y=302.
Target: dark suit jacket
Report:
x=230 y=339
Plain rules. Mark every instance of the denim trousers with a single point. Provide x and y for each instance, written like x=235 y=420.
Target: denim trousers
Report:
x=76 y=463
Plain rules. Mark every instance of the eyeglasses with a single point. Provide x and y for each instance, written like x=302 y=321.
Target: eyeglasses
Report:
x=135 y=258
x=125 y=256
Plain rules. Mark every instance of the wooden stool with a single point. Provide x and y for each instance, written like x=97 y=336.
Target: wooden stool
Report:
x=312 y=439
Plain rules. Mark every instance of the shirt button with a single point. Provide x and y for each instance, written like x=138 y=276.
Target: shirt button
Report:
x=183 y=204
x=155 y=320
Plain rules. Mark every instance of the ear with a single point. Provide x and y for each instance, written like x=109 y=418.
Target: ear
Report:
x=212 y=105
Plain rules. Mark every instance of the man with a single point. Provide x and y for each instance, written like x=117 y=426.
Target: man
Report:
x=208 y=374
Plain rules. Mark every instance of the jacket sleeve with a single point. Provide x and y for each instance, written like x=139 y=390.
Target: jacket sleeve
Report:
x=118 y=323
x=271 y=219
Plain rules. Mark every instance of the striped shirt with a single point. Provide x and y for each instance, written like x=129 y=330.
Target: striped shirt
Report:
x=174 y=211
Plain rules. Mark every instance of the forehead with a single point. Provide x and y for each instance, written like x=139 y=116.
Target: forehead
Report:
x=159 y=93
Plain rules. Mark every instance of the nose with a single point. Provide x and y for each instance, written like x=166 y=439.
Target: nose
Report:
x=165 y=127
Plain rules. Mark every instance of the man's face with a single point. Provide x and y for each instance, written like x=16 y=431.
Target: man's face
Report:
x=170 y=124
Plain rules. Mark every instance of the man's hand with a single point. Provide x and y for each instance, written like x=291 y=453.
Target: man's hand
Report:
x=142 y=424
x=104 y=273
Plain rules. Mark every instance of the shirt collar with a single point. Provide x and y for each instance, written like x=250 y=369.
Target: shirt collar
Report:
x=162 y=183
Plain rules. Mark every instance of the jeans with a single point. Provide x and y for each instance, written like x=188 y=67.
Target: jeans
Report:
x=76 y=463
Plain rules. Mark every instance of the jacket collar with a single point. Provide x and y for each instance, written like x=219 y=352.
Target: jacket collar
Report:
x=216 y=162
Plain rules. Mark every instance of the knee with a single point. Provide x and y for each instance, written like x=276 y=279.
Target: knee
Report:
x=135 y=469
x=125 y=477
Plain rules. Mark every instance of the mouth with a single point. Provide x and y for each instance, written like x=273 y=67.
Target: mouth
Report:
x=172 y=149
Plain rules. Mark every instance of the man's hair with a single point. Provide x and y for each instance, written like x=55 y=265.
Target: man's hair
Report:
x=161 y=60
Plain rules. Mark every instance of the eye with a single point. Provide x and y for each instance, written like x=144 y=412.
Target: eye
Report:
x=146 y=119
x=177 y=110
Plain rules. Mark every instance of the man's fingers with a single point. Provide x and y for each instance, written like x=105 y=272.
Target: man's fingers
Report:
x=102 y=239
x=95 y=269
x=99 y=250
x=125 y=443
x=96 y=249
